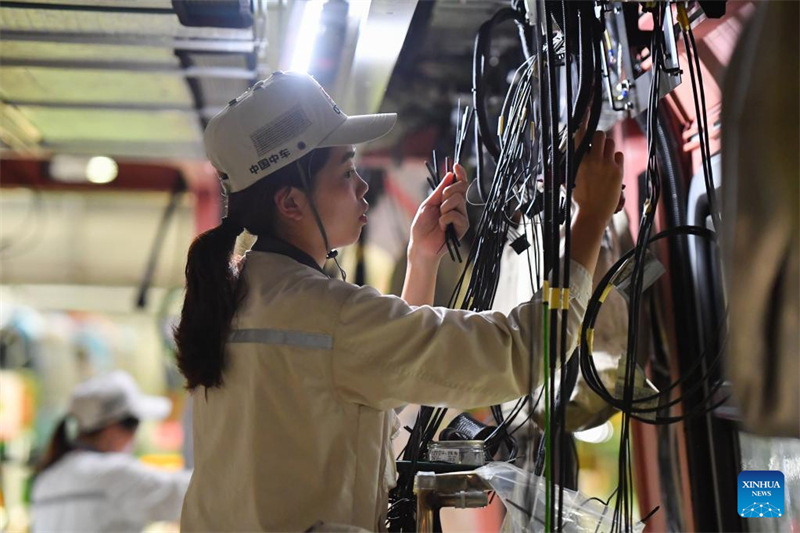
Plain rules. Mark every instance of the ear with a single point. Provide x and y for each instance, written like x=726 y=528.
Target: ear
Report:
x=291 y=203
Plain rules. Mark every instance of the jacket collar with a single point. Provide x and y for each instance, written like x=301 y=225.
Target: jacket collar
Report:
x=279 y=246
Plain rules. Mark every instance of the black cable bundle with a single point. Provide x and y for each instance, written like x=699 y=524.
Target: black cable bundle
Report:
x=631 y=405
x=402 y=514
x=481 y=54
x=558 y=87
x=623 y=509
x=701 y=117
x=548 y=150
x=523 y=155
x=513 y=188
x=581 y=37
x=533 y=164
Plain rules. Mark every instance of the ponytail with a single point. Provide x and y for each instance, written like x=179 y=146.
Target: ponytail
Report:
x=209 y=305
x=60 y=446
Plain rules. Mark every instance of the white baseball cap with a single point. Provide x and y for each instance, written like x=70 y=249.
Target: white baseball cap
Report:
x=279 y=120
x=108 y=398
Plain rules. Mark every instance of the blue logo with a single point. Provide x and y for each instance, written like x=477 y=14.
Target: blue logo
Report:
x=761 y=494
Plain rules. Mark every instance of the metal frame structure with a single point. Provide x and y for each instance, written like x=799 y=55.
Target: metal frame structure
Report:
x=462 y=490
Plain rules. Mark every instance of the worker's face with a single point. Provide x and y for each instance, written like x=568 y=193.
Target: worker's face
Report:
x=339 y=197
x=116 y=438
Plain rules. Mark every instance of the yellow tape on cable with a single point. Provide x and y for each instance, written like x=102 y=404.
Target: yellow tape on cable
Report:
x=555 y=298
x=606 y=291
x=683 y=18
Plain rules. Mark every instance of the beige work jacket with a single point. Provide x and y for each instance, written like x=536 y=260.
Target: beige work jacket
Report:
x=301 y=429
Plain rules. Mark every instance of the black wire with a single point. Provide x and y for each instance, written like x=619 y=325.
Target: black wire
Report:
x=527 y=146
x=701 y=117
x=623 y=508
x=623 y=505
x=480 y=54
x=483 y=260
x=553 y=181
x=561 y=404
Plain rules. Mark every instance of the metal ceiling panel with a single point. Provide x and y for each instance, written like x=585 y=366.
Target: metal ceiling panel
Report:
x=100 y=23
x=87 y=52
x=46 y=85
x=200 y=59
x=454 y=14
x=124 y=77
x=217 y=91
x=138 y=4
x=65 y=125
x=162 y=150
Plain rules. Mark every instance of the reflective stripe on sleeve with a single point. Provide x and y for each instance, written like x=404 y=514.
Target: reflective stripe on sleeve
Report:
x=282 y=336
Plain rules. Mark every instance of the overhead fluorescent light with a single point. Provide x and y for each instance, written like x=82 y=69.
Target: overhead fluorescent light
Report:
x=306 y=36
x=380 y=39
x=68 y=168
x=313 y=21
x=101 y=170
x=358 y=10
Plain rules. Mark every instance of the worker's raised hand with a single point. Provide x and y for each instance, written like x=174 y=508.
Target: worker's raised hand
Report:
x=598 y=184
x=447 y=204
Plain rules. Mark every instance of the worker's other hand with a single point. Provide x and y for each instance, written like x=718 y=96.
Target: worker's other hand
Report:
x=598 y=184
x=447 y=204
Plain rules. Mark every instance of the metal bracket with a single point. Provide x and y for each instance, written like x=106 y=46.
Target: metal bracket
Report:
x=462 y=490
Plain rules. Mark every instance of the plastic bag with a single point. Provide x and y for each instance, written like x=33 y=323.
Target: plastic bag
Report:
x=581 y=513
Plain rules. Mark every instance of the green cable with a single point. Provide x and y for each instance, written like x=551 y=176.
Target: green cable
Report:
x=547 y=459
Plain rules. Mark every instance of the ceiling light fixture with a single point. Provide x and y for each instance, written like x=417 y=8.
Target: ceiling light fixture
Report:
x=101 y=170
x=380 y=39
x=68 y=168
x=306 y=36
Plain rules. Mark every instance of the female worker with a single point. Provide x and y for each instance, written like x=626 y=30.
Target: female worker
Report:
x=295 y=374
x=89 y=481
